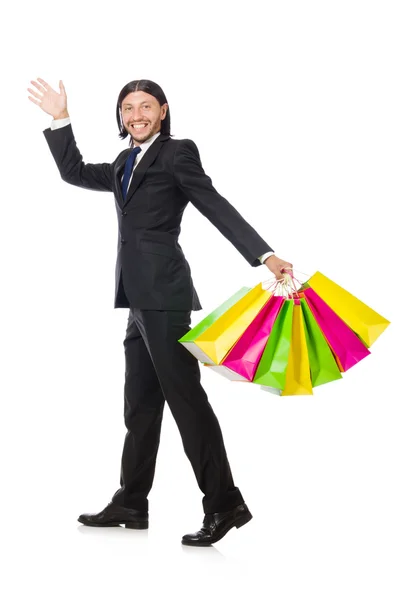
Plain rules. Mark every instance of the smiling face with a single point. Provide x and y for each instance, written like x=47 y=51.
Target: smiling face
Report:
x=142 y=115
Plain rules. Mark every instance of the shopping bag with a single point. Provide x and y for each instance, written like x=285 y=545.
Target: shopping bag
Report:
x=273 y=364
x=244 y=356
x=297 y=376
x=323 y=367
x=226 y=372
x=188 y=340
x=347 y=348
x=362 y=319
x=216 y=340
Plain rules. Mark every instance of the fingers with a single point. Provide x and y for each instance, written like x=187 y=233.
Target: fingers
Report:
x=35 y=93
x=42 y=88
x=39 y=87
x=44 y=83
x=35 y=101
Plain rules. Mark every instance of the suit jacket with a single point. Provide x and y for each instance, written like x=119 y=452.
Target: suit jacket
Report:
x=151 y=269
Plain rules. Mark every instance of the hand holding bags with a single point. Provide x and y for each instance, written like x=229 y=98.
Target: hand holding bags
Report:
x=287 y=343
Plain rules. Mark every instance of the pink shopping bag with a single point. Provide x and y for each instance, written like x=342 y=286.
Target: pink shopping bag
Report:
x=244 y=356
x=344 y=343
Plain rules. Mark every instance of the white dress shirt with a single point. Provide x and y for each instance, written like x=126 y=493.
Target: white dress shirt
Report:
x=58 y=123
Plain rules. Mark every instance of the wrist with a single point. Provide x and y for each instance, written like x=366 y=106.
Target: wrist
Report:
x=63 y=115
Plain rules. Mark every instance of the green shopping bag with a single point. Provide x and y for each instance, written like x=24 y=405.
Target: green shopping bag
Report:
x=188 y=340
x=323 y=366
x=272 y=367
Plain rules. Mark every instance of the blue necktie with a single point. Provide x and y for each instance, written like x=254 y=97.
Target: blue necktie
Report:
x=129 y=164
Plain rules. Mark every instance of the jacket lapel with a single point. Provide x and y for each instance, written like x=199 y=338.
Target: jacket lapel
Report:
x=148 y=158
x=118 y=169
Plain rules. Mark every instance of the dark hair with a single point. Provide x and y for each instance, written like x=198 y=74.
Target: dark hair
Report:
x=150 y=87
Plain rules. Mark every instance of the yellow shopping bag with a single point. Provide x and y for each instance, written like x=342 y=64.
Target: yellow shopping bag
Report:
x=219 y=338
x=362 y=319
x=298 y=379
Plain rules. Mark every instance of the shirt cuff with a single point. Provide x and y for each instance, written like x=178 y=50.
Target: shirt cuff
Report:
x=265 y=256
x=58 y=123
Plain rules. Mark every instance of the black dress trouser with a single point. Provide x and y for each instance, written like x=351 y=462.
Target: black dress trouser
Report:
x=159 y=368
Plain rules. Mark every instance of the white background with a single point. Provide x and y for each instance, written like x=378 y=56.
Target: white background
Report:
x=293 y=108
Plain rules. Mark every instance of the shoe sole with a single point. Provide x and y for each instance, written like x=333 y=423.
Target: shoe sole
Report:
x=127 y=525
x=243 y=520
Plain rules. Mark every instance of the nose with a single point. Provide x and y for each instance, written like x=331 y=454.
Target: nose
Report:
x=135 y=116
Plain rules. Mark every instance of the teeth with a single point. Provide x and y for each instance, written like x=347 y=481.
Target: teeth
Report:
x=139 y=126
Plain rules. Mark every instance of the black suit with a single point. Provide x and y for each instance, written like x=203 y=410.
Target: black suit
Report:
x=153 y=279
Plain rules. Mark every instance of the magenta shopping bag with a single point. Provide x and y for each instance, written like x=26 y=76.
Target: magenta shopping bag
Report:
x=344 y=343
x=244 y=356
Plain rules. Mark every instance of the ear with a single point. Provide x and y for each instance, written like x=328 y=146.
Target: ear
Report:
x=164 y=109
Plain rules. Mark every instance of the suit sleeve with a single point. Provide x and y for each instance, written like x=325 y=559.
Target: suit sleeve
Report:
x=198 y=189
x=70 y=162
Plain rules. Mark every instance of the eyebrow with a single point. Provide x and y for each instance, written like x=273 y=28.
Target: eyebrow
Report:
x=144 y=102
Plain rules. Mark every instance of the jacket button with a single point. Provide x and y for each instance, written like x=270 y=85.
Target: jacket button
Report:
x=124 y=213
x=123 y=241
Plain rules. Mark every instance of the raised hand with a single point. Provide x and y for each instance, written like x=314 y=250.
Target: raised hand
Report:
x=49 y=100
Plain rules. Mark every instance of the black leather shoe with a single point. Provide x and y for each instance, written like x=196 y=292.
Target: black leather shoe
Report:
x=216 y=525
x=114 y=515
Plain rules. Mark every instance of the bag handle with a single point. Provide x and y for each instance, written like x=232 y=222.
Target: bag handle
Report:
x=285 y=286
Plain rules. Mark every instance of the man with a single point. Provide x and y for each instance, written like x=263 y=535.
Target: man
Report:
x=152 y=184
